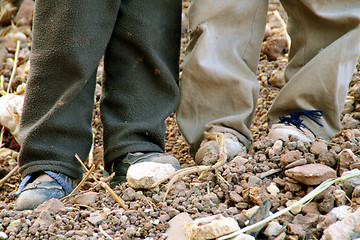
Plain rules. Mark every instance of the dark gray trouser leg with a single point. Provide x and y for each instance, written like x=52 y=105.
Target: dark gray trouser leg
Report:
x=141 y=82
x=69 y=39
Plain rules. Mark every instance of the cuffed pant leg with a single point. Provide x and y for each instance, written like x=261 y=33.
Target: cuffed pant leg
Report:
x=141 y=83
x=325 y=46
x=69 y=39
x=219 y=89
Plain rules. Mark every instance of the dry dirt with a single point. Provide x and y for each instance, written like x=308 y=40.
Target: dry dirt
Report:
x=148 y=215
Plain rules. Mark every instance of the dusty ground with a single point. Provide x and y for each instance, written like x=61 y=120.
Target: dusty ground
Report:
x=148 y=216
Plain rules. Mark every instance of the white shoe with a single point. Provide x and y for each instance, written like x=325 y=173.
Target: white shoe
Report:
x=283 y=132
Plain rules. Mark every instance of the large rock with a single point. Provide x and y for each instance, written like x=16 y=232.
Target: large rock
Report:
x=176 y=230
x=348 y=228
x=145 y=174
x=210 y=227
x=311 y=174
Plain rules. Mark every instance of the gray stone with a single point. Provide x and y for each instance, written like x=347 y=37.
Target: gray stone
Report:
x=273 y=229
x=129 y=194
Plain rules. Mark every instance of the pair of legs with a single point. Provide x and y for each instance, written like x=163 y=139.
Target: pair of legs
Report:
x=140 y=44
x=219 y=89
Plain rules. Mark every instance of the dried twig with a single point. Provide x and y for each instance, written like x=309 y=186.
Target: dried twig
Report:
x=149 y=202
x=3 y=180
x=352 y=98
x=104 y=185
x=15 y=65
x=104 y=233
x=2 y=84
x=2 y=136
x=307 y=198
x=65 y=199
x=219 y=137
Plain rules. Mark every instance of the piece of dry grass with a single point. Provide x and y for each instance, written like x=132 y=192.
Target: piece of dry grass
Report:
x=13 y=73
x=4 y=179
x=219 y=137
x=101 y=183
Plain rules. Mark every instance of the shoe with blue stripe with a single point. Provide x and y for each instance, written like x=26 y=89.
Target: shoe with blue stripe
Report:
x=293 y=126
x=33 y=192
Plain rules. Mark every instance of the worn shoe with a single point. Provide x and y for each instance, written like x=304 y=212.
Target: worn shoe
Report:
x=208 y=153
x=32 y=193
x=293 y=126
x=138 y=163
x=283 y=132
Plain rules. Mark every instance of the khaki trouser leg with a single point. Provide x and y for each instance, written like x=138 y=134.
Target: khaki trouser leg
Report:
x=219 y=89
x=324 y=49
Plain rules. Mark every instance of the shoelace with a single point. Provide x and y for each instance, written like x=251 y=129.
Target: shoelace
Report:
x=55 y=176
x=295 y=120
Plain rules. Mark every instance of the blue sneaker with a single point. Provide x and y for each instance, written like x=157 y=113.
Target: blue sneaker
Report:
x=32 y=193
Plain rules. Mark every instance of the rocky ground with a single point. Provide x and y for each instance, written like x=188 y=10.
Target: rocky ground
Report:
x=283 y=172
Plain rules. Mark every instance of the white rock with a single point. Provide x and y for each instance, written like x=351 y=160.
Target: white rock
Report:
x=277 y=147
x=10 y=111
x=176 y=230
x=210 y=227
x=345 y=229
x=337 y=213
x=294 y=210
x=3 y=235
x=273 y=189
x=250 y=212
x=273 y=229
x=96 y=218
x=341 y=212
x=145 y=174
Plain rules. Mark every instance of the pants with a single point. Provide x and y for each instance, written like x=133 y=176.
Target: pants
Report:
x=219 y=88
x=140 y=42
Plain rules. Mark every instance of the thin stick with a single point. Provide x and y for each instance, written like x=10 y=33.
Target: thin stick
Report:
x=352 y=98
x=323 y=186
x=2 y=136
x=104 y=233
x=15 y=65
x=219 y=137
x=3 y=180
x=2 y=84
x=65 y=199
x=148 y=202
x=104 y=185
